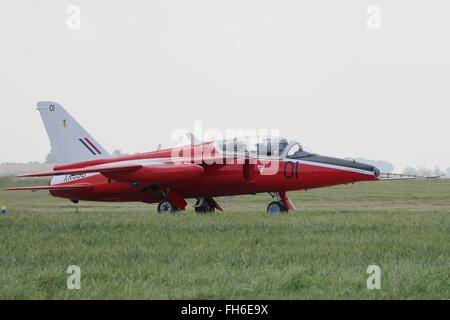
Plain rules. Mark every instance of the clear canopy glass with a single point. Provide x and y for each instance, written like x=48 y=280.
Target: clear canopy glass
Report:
x=254 y=147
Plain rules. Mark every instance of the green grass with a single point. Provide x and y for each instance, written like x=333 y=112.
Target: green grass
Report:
x=321 y=251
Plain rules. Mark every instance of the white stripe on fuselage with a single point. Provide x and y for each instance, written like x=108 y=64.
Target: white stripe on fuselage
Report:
x=333 y=166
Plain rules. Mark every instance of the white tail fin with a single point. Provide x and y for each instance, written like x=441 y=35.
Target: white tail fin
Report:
x=69 y=141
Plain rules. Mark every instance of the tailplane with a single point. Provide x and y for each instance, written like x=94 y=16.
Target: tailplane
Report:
x=69 y=141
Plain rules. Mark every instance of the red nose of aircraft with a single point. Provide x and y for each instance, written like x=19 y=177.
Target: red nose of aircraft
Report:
x=368 y=172
x=366 y=168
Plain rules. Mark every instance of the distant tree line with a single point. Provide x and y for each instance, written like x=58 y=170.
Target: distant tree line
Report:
x=426 y=172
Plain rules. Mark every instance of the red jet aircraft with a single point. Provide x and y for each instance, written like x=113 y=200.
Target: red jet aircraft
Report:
x=200 y=170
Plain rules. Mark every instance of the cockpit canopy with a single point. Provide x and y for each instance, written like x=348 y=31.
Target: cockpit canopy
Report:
x=279 y=148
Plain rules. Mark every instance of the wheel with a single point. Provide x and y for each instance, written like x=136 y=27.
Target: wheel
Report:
x=204 y=210
x=276 y=207
x=165 y=207
x=206 y=207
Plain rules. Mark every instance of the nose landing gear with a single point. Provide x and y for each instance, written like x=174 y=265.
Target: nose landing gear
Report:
x=276 y=207
x=281 y=205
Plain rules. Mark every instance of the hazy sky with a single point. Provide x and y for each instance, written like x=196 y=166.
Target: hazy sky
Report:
x=137 y=70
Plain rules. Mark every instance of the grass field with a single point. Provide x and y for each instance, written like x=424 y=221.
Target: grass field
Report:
x=321 y=251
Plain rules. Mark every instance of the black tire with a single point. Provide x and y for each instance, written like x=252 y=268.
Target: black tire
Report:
x=207 y=207
x=166 y=207
x=276 y=207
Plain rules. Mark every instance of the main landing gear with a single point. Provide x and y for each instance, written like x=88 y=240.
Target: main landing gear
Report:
x=166 y=207
x=204 y=205
x=171 y=203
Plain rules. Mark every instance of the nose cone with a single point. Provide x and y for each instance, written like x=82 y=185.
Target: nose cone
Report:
x=372 y=171
x=368 y=171
x=358 y=166
x=376 y=172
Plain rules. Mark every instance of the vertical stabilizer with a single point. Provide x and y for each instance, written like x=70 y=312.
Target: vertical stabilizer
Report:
x=69 y=141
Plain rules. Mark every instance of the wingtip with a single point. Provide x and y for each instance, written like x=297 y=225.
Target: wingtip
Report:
x=36 y=175
x=26 y=175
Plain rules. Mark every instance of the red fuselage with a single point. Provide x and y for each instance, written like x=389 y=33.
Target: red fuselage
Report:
x=218 y=179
